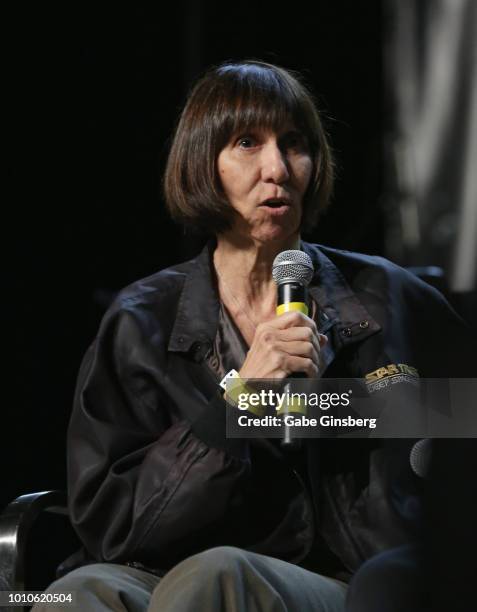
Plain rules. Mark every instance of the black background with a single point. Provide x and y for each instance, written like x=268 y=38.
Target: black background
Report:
x=92 y=96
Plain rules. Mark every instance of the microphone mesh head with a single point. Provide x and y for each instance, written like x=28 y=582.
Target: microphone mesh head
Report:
x=420 y=457
x=292 y=266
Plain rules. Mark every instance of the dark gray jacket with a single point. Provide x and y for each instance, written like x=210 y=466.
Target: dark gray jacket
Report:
x=152 y=477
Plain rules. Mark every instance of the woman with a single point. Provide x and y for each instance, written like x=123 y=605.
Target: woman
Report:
x=172 y=514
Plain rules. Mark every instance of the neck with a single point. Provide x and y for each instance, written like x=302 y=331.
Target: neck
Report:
x=246 y=267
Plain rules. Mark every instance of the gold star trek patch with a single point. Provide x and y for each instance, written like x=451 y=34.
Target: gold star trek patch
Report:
x=390 y=375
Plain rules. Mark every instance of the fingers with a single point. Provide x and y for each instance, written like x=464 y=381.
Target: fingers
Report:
x=299 y=349
x=285 y=364
x=288 y=344
x=301 y=364
x=305 y=330
x=305 y=334
x=297 y=320
x=293 y=319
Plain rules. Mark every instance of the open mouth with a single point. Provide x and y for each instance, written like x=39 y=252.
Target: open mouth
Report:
x=276 y=203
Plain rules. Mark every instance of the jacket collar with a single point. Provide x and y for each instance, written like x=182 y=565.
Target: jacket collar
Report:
x=198 y=309
x=337 y=302
x=342 y=316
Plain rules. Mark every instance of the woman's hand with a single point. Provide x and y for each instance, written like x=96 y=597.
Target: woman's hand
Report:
x=284 y=346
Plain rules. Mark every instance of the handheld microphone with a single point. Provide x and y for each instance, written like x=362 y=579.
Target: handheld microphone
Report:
x=292 y=271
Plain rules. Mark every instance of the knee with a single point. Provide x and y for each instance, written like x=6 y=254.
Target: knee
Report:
x=106 y=586
x=218 y=561
x=83 y=583
x=84 y=578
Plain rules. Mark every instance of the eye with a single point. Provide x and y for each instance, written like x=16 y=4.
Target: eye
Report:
x=246 y=142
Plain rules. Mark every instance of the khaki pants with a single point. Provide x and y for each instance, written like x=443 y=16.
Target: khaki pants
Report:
x=223 y=579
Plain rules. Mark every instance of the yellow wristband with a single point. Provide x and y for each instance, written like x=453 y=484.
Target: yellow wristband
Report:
x=234 y=387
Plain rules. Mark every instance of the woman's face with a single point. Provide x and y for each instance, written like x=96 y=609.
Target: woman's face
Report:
x=264 y=175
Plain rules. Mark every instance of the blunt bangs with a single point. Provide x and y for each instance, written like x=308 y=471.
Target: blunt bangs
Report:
x=227 y=101
x=251 y=96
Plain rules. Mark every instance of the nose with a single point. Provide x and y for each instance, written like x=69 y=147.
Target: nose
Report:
x=274 y=164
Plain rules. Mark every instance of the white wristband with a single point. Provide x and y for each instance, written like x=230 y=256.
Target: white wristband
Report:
x=231 y=374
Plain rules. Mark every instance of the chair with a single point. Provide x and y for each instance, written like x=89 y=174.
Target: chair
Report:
x=35 y=536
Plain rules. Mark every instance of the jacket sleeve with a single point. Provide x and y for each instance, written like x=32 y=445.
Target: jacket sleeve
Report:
x=441 y=339
x=141 y=479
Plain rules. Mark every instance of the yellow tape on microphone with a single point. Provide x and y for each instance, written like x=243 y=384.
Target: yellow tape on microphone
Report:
x=292 y=307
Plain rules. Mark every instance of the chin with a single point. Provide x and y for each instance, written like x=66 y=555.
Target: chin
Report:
x=274 y=233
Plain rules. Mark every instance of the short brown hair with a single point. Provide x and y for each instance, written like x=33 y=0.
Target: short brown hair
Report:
x=229 y=98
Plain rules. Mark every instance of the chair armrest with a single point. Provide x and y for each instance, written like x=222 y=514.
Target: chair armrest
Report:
x=15 y=523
